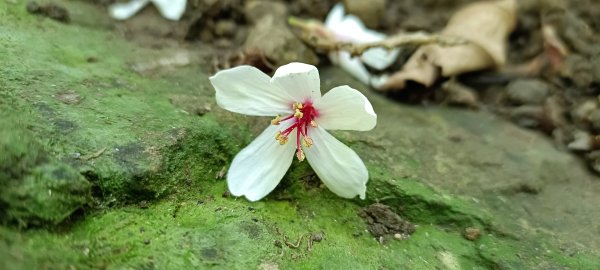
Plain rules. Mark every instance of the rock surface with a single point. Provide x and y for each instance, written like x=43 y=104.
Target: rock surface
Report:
x=272 y=35
x=527 y=91
x=35 y=187
x=371 y=12
x=155 y=170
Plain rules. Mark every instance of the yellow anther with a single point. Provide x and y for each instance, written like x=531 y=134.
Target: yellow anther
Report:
x=313 y=123
x=281 y=138
x=276 y=121
x=307 y=142
x=298 y=114
x=297 y=106
x=300 y=155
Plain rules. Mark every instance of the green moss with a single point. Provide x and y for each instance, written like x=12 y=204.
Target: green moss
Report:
x=126 y=118
x=215 y=232
x=35 y=188
x=223 y=233
x=421 y=203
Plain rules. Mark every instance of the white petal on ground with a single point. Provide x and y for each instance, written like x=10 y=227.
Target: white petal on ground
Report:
x=379 y=58
x=335 y=16
x=123 y=11
x=338 y=166
x=352 y=65
x=170 y=9
x=378 y=81
x=351 y=29
x=247 y=90
x=345 y=108
x=257 y=169
x=300 y=80
x=354 y=30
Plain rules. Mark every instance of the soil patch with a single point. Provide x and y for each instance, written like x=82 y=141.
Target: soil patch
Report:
x=383 y=222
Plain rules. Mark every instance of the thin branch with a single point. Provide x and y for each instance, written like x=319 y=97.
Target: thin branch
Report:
x=400 y=40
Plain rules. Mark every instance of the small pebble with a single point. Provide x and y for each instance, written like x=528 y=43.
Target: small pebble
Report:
x=527 y=91
x=225 y=28
x=143 y=204
x=317 y=237
x=472 y=233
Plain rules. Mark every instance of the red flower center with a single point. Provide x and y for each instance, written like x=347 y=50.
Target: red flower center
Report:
x=303 y=117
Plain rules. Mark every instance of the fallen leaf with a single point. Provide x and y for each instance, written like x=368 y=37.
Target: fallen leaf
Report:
x=485 y=25
x=460 y=95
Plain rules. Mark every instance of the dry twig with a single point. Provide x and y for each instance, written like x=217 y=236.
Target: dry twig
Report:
x=94 y=155
x=291 y=245
x=401 y=40
x=315 y=34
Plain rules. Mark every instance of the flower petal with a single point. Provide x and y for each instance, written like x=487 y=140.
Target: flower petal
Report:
x=351 y=29
x=378 y=81
x=123 y=11
x=170 y=9
x=345 y=108
x=247 y=90
x=379 y=58
x=335 y=16
x=352 y=65
x=351 y=26
x=340 y=168
x=257 y=169
x=299 y=80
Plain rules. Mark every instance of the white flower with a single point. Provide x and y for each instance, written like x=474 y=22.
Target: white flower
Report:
x=349 y=28
x=170 y=9
x=293 y=97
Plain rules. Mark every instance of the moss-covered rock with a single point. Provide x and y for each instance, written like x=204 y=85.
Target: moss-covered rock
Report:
x=35 y=188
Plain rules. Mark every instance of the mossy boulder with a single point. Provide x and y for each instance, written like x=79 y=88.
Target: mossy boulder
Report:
x=35 y=187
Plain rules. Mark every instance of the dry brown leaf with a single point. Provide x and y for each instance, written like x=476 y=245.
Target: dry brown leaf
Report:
x=486 y=25
x=460 y=95
x=551 y=59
